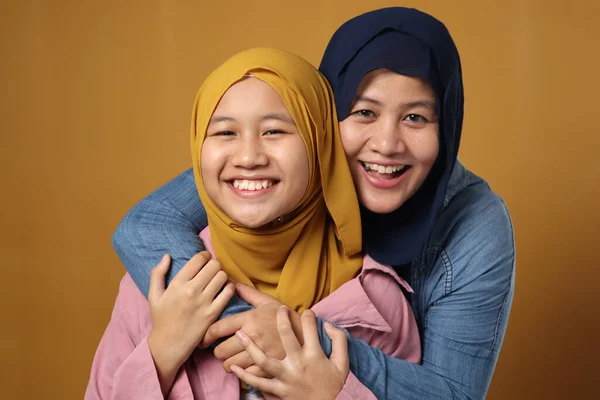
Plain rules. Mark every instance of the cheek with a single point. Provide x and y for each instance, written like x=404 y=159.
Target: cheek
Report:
x=301 y=168
x=293 y=161
x=351 y=138
x=427 y=148
x=302 y=176
x=209 y=162
x=432 y=153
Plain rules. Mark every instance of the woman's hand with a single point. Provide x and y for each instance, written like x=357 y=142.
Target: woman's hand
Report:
x=182 y=313
x=305 y=373
x=259 y=324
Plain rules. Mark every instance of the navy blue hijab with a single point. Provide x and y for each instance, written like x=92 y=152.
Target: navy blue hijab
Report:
x=412 y=43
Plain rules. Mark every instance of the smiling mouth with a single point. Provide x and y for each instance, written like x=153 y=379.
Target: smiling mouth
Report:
x=253 y=185
x=385 y=171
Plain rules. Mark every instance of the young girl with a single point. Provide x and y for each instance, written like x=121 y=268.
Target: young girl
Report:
x=397 y=80
x=270 y=168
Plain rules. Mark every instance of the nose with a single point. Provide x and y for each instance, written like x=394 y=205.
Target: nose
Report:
x=386 y=138
x=249 y=153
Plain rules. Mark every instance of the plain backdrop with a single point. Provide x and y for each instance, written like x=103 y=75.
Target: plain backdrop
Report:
x=94 y=115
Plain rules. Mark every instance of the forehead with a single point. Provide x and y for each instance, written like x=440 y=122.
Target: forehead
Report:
x=250 y=94
x=251 y=100
x=384 y=84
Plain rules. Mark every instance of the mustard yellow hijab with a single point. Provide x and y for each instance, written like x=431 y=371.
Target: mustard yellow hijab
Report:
x=315 y=248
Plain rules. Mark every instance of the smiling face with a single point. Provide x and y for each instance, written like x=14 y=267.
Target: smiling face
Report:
x=390 y=138
x=253 y=161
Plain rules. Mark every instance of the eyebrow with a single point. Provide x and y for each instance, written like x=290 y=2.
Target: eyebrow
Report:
x=366 y=99
x=271 y=116
x=280 y=117
x=422 y=103
x=220 y=118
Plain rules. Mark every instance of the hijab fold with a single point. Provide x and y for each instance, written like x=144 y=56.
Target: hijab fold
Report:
x=412 y=43
x=315 y=248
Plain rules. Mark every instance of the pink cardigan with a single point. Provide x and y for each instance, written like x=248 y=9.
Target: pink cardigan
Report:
x=372 y=307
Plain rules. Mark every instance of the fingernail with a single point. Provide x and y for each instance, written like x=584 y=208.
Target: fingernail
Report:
x=164 y=258
x=328 y=325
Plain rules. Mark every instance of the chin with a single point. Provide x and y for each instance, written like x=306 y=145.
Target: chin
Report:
x=249 y=221
x=380 y=208
x=251 y=224
x=380 y=205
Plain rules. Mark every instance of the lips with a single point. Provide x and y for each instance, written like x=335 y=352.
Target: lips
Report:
x=384 y=179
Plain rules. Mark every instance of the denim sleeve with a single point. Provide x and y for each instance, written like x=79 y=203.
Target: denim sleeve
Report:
x=167 y=221
x=465 y=305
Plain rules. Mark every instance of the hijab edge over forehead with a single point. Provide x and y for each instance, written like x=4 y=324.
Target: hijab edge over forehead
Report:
x=398 y=238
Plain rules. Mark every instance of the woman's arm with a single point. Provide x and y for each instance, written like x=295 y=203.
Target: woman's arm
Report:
x=463 y=328
x=466 y=304
x=168 y=221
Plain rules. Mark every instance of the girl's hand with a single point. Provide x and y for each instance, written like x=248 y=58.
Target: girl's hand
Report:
x=305 y=373
x=260 y=324
x=182 y=313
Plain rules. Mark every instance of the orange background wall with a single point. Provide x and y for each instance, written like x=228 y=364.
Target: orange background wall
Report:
x=94 y=114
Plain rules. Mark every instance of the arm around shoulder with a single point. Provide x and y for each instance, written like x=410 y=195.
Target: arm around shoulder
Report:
x=168 y=221
x=463 y=293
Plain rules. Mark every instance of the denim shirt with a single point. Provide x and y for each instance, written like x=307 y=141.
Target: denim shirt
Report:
x=463 y=284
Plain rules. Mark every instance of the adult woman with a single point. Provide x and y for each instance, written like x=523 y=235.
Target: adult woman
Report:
x=397 y=83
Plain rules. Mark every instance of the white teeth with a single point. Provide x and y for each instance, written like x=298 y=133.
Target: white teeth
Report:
x=252 y=185
x=382 y=169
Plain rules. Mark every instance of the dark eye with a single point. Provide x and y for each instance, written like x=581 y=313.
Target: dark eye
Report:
x=415 y=118
x=224 y=133
x=364 y=113
x=274 y=132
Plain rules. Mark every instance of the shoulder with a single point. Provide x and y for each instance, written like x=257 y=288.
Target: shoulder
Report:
x=128 y=290
x=131 y=306
x=474 y=233
x=476 y=214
